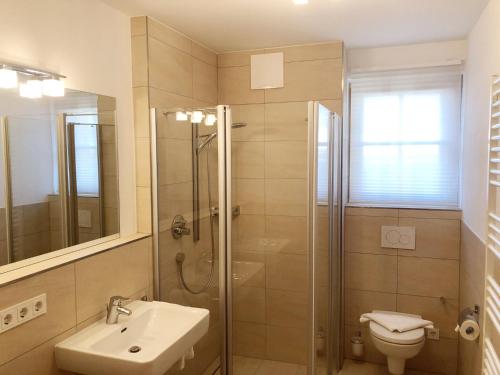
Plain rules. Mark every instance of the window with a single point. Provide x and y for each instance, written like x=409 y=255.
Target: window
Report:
x=405 y=138
x=323 y=154
x=86 y=152
x=86 y=160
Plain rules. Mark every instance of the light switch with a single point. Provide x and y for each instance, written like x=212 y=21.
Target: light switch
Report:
x=395 y=237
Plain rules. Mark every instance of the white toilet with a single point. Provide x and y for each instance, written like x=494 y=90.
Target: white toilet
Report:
x=397 y=346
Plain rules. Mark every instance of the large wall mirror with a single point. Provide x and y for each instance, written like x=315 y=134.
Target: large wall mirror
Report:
x=58 y=173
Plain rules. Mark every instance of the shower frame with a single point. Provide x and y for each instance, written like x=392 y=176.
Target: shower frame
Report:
x=224 y=144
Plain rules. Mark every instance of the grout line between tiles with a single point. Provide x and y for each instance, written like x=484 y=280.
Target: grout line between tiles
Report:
x=76 y=298
x=36 y=347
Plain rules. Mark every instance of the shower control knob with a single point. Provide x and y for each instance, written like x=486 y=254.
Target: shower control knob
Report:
x=178 y=228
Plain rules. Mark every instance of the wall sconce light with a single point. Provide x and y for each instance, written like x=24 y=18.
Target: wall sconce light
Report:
x=53 y=87
x=197 y=117
x=8 y=78
x=210 y=120
x=31 y=89
x=181 y=116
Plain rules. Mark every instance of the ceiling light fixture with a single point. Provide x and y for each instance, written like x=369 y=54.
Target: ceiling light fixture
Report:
x=300 y=2
x=8 y=78
x=31 y=89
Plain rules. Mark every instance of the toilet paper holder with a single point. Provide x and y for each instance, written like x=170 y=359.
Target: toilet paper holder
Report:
x=468 y=314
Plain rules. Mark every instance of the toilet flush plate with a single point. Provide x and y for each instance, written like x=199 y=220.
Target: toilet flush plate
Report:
x=395 y=237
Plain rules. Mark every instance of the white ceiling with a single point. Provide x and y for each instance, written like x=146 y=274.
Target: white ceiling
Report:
x=229 y=25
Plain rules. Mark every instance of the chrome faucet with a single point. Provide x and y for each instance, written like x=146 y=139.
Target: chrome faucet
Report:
x=115 y=309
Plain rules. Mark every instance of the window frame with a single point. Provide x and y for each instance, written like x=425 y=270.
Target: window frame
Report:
x=347 y=140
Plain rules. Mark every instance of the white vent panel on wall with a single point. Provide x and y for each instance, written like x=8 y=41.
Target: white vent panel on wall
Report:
x=491 y=315
x=267 y=71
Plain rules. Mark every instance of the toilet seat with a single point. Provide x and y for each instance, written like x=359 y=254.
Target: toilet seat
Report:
x=402 y=338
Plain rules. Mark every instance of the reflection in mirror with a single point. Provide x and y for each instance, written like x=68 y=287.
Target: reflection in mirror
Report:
x=58 y=172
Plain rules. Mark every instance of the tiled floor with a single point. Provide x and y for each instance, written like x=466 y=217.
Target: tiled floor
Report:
x=364 y=368
x=254 y=366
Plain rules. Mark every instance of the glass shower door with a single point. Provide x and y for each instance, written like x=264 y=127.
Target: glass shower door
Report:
x=188 y=223
x=242 y=232
x=325 y=228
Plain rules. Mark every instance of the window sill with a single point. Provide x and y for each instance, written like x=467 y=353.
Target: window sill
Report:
x=403 y=207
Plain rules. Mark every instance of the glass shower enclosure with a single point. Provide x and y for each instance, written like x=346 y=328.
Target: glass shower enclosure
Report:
x=247 y=224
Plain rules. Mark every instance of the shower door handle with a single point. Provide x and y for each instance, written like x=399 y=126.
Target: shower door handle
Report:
x=214 y=211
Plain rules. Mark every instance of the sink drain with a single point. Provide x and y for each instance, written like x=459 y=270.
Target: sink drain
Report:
x=134 y=349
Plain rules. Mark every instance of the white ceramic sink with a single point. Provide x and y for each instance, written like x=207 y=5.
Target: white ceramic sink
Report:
x=163 y=331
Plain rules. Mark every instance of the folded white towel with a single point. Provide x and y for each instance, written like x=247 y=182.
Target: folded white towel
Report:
x=396 y=322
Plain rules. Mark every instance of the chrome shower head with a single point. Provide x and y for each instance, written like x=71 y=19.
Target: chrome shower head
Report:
x=210 y=137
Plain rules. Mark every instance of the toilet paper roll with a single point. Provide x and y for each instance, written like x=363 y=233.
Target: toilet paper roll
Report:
x=469 y=329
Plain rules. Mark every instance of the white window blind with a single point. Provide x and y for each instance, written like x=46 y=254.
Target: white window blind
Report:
x=87 y=163
x=323 y=153
x=405 y=138
x=86 y=151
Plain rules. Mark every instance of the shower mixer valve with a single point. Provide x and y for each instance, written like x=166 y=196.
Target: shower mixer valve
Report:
x=178 y=228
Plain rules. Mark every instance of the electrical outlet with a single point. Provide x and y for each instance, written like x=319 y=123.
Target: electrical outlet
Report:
x=39 y=305
x=23 y=312
x=9 y=319
x=433 y=333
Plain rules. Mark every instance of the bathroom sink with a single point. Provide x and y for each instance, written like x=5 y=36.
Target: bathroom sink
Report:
x=148 y=342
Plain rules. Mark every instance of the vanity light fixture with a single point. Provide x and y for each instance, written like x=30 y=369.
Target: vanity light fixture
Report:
x=8 y=78
x=31 y=89
x=33 y=83
x=210 y=120
x=197 y=117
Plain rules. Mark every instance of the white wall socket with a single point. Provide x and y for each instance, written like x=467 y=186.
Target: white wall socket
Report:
x=22 y=312
x=432 y=333
x=9 y=319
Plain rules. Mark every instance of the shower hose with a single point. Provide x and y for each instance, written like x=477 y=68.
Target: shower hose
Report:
x=181 y=257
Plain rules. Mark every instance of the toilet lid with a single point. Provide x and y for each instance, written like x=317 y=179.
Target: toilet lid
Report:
x=405 y=338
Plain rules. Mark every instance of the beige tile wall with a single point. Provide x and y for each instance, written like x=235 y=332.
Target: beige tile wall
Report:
x=91 y=204
x=106 y=109
x=169 y=70
x=31 y=231
x=410 y=281
x=270 y=157
x=76 y=296
x=472 y=263
x=269 y=165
